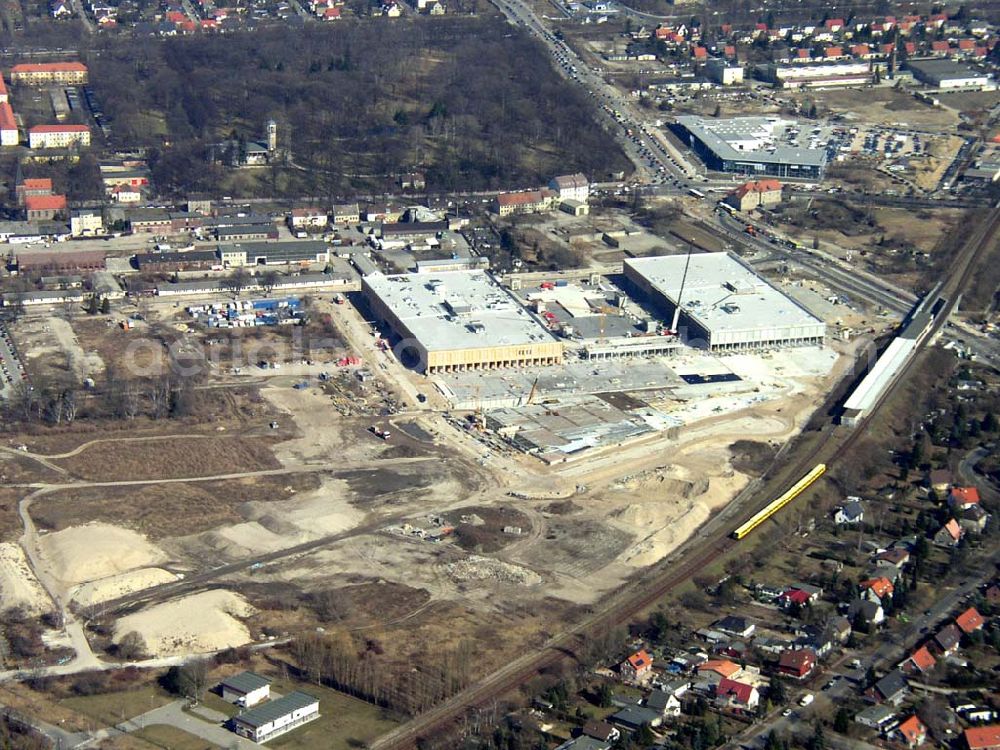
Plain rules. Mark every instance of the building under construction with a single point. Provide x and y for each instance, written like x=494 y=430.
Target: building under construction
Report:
x=716 y=302
x=458 y=320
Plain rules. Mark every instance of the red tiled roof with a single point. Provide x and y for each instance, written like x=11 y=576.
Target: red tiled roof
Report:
x=800 y=661
x=3 y=86
x=922 y=659
x=54 y=67
x=969 y=620
x=881 y=586
x=834 y=51
x=7 y=119
x=940 y=46
x=60 y=129
x=979 y=738
x=37 y=183
x=834 y=22
x=953 y=528
x=521 y=198
x=640 y=660
x=45 y=202
x=912 y=729
x=740 y=690
x=723 y=667
x=964 y=496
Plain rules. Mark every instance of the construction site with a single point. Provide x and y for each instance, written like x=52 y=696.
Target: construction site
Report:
x=526 y=443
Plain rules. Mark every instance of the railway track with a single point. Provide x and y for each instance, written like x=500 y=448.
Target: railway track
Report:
x=697 y=555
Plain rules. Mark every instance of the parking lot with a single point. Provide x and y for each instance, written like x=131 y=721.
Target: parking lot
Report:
x=10 y=365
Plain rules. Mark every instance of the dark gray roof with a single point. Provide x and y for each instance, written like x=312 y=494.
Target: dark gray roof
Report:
x=891 y=685
x=245 y=682
x=635 y=716
x=275 y=709
x=657 y=700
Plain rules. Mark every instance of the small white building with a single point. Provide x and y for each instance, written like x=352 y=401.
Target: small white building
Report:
x=246 y=689
x=277 y=717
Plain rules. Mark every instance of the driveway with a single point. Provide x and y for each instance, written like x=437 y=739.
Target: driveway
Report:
x=209 y=728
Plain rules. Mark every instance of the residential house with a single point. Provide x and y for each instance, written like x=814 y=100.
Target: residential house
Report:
x=737 y=695
x=897 y=557
x=849 y=513
x=755 y=194
x=524 y=202
x=798 y=664
x=939 y=480
x=637 y=666
x=969 y=621
x=982 y=738
x=911 y=732
x=666 y=703
x=866 y=611
x=583 y=742
x=946 y=641
x=601 y=730
x=949 y=535
x=44 y=74
x=245 y=689
x=633 y=717
x=58 y=136
x=963 y=498
x=876 y=589
x=716 y=670
x=276 y=717
x=890 y=689
x=921 y=660
x=125 y=194
x=739 y=627
x=877 y=717
x=973 y=520
x=800 y=594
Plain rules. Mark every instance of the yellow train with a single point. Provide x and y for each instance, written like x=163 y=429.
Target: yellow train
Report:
x=774 y=506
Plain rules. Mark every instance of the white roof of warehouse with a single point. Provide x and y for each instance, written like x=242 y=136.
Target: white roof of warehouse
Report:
x=725 y=136
x=721 y=293
x=886 y=368
x=449 y=310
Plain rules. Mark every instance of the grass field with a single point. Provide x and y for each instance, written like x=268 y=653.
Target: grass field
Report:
x=162 y=735
x=113 y=708
x=170 y=458
x=344 y=722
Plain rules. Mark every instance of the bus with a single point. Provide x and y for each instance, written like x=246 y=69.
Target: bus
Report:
x=696 y=193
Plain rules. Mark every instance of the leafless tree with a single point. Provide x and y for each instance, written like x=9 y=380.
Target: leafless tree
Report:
x=237 y=281
x=132 y=646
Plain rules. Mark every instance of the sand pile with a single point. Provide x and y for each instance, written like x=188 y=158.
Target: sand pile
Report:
x=97 y=550
x=105 y=589
x=18 y=585
x=476 y=568
x=674 y=521
x=193 y=624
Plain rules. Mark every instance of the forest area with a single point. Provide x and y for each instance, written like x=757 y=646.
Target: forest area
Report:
x=471 y=102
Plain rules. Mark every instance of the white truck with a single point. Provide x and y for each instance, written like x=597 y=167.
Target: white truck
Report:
x=806 y=699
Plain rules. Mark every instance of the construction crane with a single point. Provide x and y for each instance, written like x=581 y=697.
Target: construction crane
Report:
x=531 y=394
x=680 y=294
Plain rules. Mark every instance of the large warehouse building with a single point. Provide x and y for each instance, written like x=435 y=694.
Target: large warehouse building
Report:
x=945 y=74
x=749 y=145
x=725 y=306
x=458 y=320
